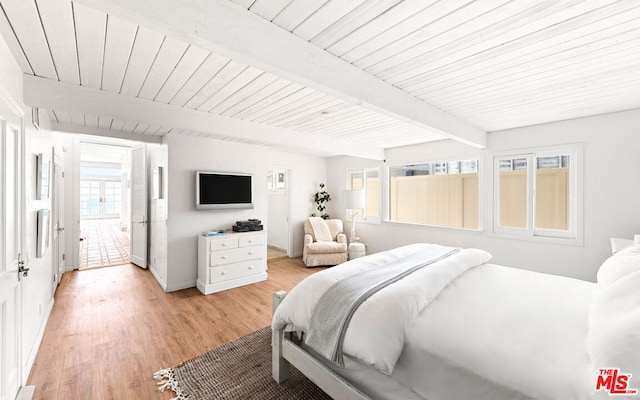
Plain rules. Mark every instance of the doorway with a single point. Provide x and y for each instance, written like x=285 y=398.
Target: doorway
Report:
x=278 y=213
x=104 y=212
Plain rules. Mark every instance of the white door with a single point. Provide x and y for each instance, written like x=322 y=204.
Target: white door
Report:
x=139 y=206
x=57 y=217
x=11 y=243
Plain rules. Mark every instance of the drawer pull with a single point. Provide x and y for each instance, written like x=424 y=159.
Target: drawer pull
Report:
x=250 y=240
x=223 y=244
x=250 y=266
x=250 y=253
x=223 y=273
x=224 y=257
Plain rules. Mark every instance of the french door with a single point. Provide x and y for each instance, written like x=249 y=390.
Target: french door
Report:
x=100 y=198
x=11 y=244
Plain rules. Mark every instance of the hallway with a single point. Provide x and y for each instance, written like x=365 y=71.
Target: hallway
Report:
x=103 y=243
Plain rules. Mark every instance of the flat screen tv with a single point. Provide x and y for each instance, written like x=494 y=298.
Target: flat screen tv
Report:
x=218 y=190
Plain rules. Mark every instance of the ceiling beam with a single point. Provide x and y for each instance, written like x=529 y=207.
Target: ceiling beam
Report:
x=227 y=29
x=49 y=94
x=111 y=133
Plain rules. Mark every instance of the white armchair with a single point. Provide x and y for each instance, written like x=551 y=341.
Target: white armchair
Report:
x=317 y=253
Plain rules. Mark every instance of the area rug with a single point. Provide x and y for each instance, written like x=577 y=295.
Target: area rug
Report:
x=237 y=370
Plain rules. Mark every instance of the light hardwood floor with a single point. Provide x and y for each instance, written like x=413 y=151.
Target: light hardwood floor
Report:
x=111 y=328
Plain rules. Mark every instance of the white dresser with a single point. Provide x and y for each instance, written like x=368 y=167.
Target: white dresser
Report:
x=231 y=260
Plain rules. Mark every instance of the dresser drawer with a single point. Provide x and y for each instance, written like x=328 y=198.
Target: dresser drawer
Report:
x=250 y=240
x=223 y=243
x=223 y=273
x=235 y=255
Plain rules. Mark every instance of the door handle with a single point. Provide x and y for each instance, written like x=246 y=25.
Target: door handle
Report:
x=22 y=271
x=60 y=229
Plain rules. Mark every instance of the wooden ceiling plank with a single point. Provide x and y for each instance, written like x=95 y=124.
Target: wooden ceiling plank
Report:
x=282 y=105
x=316 y=99
x=311 y=110
x=47 y=93
x=395 y=16
x=209 y=68
x=268 y=101
x=334 y=117
x=141 y=128
x=259 y=96
x=531 y=44
x=104 y=122
x=25 y=21
x=91 y=120
x=402 y=29
x=380 y=58
x=77 y=117
x=90 y=36
x=513 y=19
x=246 y=92
x=129 y=125
x=117 y=124
x=321 y=115
x=62 y=116
x=6 y=30
x=184 y=70
x=534 y=22
x=52 y=116
x=324 y=17
x=244 y=3
x=167 y=59
x=240 y=81
x=296 y=12
x=117 y=52
x=145 y=49
x=222 y=27
x=57 y=20
x=230 y=70
x=268 y=9
x=563 y=52
x=352 y=21
x=610 y=61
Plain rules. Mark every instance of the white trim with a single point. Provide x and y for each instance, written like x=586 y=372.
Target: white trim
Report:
x=108 y=133
x=156 y=275
x=575 y=235
x=36 y=344
x=11 y=103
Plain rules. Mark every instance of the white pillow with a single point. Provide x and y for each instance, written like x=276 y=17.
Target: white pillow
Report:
x=622 y=263
x=614 y=328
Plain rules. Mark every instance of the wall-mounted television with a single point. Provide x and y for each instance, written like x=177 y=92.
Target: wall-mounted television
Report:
x=218 y=190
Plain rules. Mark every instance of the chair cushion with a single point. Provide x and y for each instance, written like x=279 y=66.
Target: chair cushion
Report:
x=326 y=247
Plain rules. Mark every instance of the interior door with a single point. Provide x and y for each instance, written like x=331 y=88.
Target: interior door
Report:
x=139 y=206
x=11 y=243
x=57 y=217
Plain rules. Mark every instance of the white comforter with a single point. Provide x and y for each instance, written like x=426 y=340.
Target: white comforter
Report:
x=377 y=332
x=463 y=329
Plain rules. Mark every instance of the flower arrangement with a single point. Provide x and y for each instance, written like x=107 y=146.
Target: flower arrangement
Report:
x=321 y=197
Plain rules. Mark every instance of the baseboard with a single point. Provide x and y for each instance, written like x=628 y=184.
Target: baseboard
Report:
x=156 y=275
x=26 y=393
x=36 y=345
x=180 y=286
x=276 y=248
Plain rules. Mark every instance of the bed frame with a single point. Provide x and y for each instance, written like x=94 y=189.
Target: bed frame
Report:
x=286 y=352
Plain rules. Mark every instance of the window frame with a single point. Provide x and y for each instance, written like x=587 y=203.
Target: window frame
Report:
x=366 y=218
x=575 y=234
x=480 y=160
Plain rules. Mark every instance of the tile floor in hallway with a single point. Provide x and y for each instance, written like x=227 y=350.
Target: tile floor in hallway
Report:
x=103 y=243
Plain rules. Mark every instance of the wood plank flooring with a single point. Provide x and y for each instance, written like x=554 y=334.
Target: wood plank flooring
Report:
x=112 y=328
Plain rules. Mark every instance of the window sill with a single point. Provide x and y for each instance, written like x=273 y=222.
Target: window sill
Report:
x=444 y=227
x=577 y=241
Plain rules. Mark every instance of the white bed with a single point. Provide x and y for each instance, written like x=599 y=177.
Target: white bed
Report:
x=463 y=328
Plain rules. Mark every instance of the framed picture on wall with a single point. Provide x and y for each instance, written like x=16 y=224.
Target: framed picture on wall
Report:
x=42 y=232
x=43 y=172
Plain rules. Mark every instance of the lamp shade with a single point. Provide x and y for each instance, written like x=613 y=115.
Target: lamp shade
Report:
x=353 y=199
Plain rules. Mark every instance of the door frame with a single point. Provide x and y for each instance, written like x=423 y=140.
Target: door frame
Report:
x=287 y=195
x=58 y=218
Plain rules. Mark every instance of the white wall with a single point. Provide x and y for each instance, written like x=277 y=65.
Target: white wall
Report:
x=611 y=194
x=188 y=154
x=305 y=174
x=157 y=155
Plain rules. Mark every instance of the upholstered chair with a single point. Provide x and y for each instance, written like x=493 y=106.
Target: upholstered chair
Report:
x=332 y=252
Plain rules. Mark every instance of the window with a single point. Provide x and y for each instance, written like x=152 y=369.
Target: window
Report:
x=367 y=179
x=536 y=193
x=444 y=193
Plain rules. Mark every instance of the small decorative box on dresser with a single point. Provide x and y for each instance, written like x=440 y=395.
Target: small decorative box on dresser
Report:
x=231 y=260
